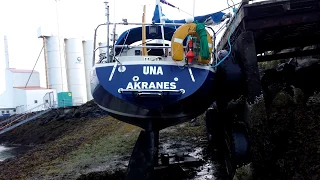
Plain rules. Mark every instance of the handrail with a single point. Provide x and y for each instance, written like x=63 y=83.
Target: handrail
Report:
x=149 y=90
x=122 y=23
x=131 y=46
x=151 y=24
x=9 y=126
x=181 y=91
x=33 y=111
x=95 y=42
x=15 y=120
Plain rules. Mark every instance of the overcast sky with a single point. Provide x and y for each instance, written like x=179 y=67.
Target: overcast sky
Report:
x=20 y=20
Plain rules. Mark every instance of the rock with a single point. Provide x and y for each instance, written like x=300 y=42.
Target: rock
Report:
x=303 y=63
x=194 y=122
x=314 y=100
x=61 y=117
x=77 y=114
x=298 y=96
x=244 y=173
x=282 y=100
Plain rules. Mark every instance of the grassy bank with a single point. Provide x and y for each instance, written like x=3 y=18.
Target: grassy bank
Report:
x=80 y=149
x=65 y=147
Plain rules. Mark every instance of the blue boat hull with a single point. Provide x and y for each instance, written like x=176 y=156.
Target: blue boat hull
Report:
x=154 y=113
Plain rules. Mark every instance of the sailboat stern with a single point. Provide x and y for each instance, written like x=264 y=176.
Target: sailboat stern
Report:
x=151 y=85
x=152 y=91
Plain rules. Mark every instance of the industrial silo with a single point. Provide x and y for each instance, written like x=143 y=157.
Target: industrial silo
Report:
x=55 y=63
x=88 y=57
x=76 y=71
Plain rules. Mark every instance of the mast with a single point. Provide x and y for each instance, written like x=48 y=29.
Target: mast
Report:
x=45 y=60
x=108 y=27
x=144 y=33
x=6 y=51
x=114 y=31
x=162 y=23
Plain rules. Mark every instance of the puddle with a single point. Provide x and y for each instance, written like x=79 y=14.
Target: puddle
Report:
x=194 y=148
x=9 y=152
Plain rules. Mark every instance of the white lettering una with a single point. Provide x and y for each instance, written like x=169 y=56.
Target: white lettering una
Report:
x=152 y=70
x=151 y=85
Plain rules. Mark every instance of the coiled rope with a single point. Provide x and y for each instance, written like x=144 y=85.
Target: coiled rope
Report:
x=204 y=48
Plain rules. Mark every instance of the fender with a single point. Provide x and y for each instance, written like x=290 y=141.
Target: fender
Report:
x=177 y=42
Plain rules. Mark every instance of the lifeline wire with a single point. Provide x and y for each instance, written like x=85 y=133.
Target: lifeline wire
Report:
x=230 y=47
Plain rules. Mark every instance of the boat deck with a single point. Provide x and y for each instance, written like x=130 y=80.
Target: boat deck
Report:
x=277 y=25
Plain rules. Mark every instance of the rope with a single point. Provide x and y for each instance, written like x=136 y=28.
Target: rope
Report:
x=204 y=48
x=229 y=43
x=34 y=66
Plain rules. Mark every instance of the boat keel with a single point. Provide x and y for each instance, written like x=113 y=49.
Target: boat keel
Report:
x=144 y=157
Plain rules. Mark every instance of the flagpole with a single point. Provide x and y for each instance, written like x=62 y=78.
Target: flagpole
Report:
x=162 y=22
x=194 y=7
x=171 y=5
x=144 y=49
x=107 y=14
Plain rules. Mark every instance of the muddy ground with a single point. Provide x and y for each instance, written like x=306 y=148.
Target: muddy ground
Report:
x=85 y=143
x=92 y=145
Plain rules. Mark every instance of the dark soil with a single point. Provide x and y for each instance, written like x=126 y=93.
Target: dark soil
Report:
x=53 y=125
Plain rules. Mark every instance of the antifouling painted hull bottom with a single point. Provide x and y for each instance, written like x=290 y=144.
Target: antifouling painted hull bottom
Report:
x=158 y=118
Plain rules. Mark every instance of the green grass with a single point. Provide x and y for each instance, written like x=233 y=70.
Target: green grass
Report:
x=187 y=129
x=101 y=150
x=103 y=147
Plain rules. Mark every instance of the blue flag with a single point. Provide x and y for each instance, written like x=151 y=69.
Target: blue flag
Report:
x=215 y=17
x=169 y=4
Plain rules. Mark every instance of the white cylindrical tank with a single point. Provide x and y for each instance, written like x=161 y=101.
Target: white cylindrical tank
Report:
x=88 y=57
x=75 y=71
x=56 y=69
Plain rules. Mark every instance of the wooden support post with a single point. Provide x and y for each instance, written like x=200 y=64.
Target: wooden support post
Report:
x=255 y=111
x=246 y=55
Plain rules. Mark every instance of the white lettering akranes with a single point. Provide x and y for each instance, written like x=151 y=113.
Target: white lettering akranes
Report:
x=151 y=85
x=151 y=70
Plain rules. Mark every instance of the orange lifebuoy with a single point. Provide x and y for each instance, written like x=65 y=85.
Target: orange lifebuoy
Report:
x=177 y=42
